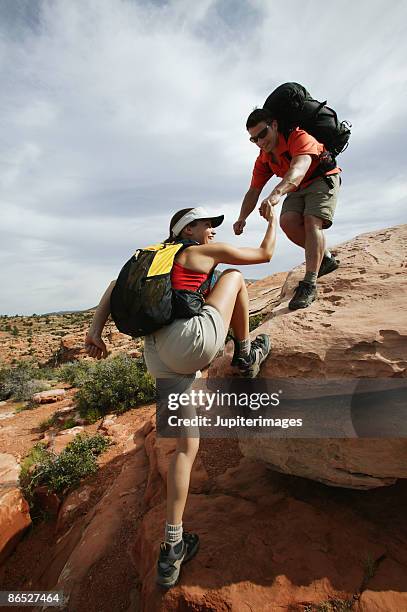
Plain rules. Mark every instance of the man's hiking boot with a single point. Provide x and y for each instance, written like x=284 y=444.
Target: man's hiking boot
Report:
x=328 y=264
x=249 y=366
x=304 y=295
x=172 y=557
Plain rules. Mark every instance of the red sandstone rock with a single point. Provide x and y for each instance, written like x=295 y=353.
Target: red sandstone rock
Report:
x=14 y=509
x=119 y=433
x=46 y=397
x=72 y=431
x=46 y=500
x=71 y=348
x=264 y=294
x=58 y=441
x=260 y=548
x=62 y=412
x=356 y=328
x=71 y=504
x=90 y=539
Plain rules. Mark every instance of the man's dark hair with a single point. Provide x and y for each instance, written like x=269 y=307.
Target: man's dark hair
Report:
x=258 y=115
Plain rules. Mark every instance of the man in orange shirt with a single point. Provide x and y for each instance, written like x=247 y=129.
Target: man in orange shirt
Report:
x=310 y=205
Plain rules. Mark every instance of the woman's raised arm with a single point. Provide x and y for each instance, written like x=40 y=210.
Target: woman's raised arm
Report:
x=209 y=255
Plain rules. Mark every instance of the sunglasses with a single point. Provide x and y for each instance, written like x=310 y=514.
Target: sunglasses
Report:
x=260 y=135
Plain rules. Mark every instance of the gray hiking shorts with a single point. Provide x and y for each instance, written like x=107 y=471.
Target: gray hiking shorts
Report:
x=180 y=349
x=318 y=199
x=175 y=353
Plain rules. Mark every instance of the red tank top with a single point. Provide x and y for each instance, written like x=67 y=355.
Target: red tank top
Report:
x=183 y=278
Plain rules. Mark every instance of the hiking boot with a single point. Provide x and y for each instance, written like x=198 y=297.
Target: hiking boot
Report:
x=249 y=366
x=328 y=264
x=304 y=295
x=172 y=557
x=235 y=352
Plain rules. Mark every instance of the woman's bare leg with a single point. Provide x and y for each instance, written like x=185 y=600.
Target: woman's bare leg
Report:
x=178 y=478
x=229 y=296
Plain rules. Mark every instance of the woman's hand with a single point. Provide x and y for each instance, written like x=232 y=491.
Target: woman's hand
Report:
x=266 y=210
x=94 y=345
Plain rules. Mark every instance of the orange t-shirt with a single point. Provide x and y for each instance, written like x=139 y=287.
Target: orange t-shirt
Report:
x=299 y=143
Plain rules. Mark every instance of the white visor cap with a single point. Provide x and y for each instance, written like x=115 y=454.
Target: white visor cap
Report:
x=194 y=215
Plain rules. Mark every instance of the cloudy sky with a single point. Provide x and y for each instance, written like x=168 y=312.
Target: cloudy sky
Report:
x=116 y=113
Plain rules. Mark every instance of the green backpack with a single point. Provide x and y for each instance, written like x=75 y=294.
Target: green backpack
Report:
x=143 y=300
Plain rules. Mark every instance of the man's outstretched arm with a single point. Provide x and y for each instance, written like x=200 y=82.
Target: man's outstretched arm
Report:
x=94 y=344
x=248 y=205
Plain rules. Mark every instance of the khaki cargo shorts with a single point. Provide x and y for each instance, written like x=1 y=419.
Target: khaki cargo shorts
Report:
x=318 y=199
x=186 y=345
x=175 y=353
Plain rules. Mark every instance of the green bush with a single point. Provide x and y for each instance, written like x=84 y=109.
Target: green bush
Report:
x=69 y=423
x=256 y=320
x=21 y=381
x=114 y=385
x=75 y=372
x=64 y=471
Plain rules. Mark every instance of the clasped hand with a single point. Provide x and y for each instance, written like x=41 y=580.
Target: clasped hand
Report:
x=266 y=209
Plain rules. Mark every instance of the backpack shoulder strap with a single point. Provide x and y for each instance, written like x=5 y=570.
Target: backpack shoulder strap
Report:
x=206 y=285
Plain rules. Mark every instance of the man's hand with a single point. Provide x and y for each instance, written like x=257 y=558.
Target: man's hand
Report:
x=267 y=212
x=267 y=205
x=94 y=345
x=238 y=226
x=272 y=200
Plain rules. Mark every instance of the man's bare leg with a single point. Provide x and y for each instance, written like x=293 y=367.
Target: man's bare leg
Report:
x=314 y=243
x=305 y=231
x=292 y=224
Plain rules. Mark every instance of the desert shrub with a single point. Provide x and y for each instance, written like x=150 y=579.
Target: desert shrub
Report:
x=69 y=423
x=47 y=373
x=64 y=471
x=114 y=385
x=74 y=372
x=332 y=605
x=21 y=381
x=255 y=321
x=47 y=423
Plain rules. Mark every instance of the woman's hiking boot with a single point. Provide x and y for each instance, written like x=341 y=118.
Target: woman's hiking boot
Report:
x=172 y=557
x=304 y=295
x=328 y=264
x=249 y=366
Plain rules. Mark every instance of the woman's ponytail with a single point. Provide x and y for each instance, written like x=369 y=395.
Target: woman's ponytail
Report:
x=178 y=215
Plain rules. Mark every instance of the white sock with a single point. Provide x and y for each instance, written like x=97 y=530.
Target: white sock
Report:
x=173 y=533
x=327 y=253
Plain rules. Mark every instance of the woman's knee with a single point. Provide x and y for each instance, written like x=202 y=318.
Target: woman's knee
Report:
x=232 y=274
